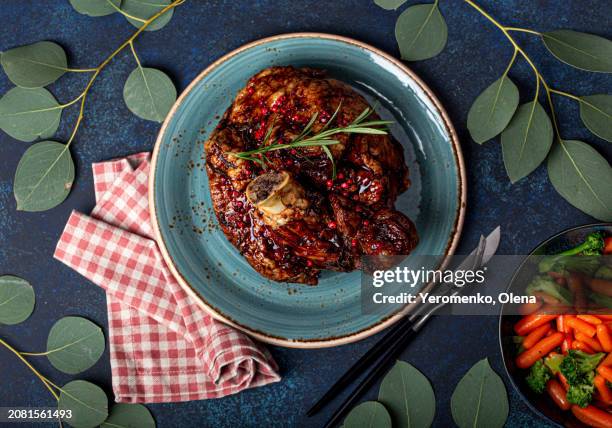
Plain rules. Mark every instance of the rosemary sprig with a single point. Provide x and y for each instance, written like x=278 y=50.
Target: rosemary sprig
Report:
x=321 y=139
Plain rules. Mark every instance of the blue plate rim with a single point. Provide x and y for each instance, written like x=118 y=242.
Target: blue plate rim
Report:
x=336 y=340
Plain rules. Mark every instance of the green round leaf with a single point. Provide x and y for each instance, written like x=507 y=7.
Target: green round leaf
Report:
x=26 y=114
x=408 y=396
x=492 y=110
x=74 y=344
x=95 y=7
x=44 y=176
x=480 y=399
x=370 y=414
x=87 y=402
x=421 y=32
x=125 y=415
x=36 y=65
x=582 y=176
x=149 y=93
x=526 y=141
x=389 y=4
x=16 y=299
x=580 y=50
x=596 y=113
x=144 y=9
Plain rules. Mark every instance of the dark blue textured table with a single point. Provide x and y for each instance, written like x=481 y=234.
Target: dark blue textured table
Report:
x=202 y=31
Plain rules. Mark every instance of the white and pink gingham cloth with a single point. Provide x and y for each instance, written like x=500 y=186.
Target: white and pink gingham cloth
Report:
x=163 y=347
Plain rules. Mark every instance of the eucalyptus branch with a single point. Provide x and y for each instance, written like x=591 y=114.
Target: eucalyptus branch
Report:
x=42 y=378
x=45 y=173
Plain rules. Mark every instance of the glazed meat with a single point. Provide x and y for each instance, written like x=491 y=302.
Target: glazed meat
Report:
x=289 y=216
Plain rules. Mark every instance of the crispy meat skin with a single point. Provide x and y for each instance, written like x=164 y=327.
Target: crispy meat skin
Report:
x=338 y=220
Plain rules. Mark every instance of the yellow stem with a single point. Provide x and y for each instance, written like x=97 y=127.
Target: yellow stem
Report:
x=124 y=13
x=80 y=70
x=43 y=379
x=523 y=30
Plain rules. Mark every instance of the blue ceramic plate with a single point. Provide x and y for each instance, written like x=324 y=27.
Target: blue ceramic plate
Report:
x=213 y=271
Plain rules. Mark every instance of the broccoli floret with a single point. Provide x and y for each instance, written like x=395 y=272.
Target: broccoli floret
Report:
x=601 y=300
x=538 y=376
x=546 y=284
x=553 y=362
x=579 y=364
x=604 y=272
x=579 y=369
x=592 y=246
x=580 y=394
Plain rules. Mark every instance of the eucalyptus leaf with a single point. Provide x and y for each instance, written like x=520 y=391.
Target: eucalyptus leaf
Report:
x=421 y=32
x=16 y=299
x=149 y=93
x=389 y=4
x=582 y=176
x=492 y=110
x=408 y=396
x=87 y=403
x=35 y=65
x=95 y=7
x=596 y=114
x=526 y=141
x=74 y=344
x=27 y=114
x=145 y=9
x=44 y=176
x=480 y=399
x=370 y=414
x=124 y=415
x=580 y=50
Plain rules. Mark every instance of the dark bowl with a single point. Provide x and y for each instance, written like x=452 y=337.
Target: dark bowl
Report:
x=539 y=403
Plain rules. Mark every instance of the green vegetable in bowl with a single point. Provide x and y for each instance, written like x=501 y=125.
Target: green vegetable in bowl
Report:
x=545 y=284
x=582 y=393
x=579 y=369
x=538 y=375
x=592 y=246
x=553 y=362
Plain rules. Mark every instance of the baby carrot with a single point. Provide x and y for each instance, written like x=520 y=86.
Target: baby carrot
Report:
x=530 y=322
x=601 y=286
x=605 y=371
x=535 y=336
x=606 y=361
x=583 y=327
x=607 y=245
x=558 y=394
x=592 y=416
x=529 y=308
x=562 y=323
x=604 y=336
x=528 y=358
x=581 y=346
x=591 y=341
x=567 y=344
x=591 y=319
x=602 y=388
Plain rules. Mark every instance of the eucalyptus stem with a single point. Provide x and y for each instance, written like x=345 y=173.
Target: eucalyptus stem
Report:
x=124 y=13
x=42 y=378
x=523 y=30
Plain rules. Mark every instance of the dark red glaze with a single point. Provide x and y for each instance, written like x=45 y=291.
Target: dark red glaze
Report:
x=348 y=216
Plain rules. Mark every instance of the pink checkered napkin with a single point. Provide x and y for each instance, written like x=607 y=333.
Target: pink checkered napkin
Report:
x=163 y=347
